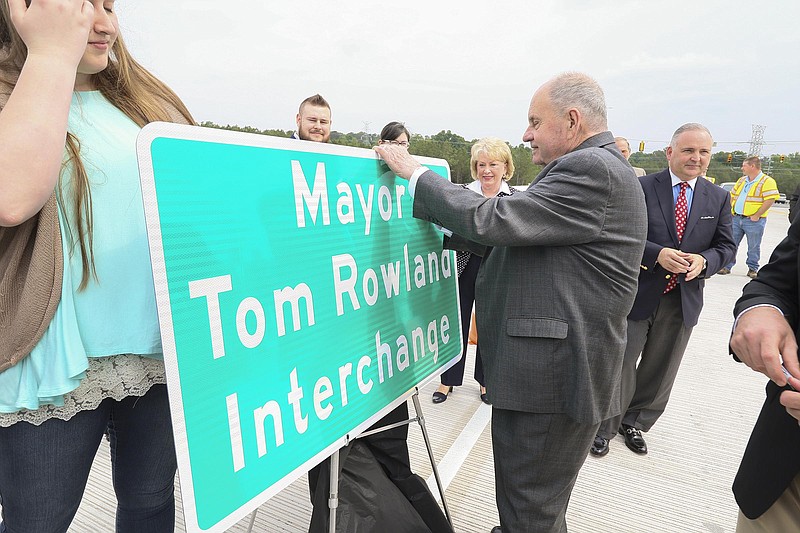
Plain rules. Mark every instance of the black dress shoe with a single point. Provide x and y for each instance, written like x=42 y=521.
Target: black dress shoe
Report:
x=633 y=439
x=485 y=398
x=599 y=447
x=496 y=529
x=439 y=397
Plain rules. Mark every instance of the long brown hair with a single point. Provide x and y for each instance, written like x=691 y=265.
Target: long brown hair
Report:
x=129 y=87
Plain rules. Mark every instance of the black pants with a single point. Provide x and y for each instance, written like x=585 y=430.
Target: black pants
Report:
x=454 y=376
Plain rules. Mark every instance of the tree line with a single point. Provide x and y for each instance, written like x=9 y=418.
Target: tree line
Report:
x=786 y=173
x=455 y=149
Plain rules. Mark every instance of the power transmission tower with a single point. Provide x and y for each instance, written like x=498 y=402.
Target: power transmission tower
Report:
x=757 y=140
x=367 y=137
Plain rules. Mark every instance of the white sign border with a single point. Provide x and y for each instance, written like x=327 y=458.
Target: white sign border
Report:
x=144 y=141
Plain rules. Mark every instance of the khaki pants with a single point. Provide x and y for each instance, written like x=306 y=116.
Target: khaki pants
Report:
x=784 y=515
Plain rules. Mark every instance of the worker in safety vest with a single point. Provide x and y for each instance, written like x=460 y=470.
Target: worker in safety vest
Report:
x=751 y=197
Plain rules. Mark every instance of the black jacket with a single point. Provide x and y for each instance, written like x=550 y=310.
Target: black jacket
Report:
x=772 y=457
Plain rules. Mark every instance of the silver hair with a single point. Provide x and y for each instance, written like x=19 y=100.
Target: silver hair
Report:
x=689 y=126
x=623 y=139
x=577 y=90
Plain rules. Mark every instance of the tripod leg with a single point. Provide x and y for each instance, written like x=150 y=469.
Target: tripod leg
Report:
x=252 y=521
x=421 y=420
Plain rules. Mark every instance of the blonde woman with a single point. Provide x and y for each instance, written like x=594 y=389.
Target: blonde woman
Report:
x=491 y=167
x=85 y=353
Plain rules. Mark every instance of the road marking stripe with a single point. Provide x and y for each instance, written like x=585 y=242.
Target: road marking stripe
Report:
x=462 y=446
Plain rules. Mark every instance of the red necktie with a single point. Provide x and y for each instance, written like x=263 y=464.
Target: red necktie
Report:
x=681 y=210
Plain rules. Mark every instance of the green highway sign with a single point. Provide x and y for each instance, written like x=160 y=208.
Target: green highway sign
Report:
x=299 y=302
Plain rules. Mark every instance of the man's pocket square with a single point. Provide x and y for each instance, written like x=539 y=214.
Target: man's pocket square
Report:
x=708 y=217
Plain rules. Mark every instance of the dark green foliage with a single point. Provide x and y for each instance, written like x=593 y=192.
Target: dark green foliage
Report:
x=247 y=129
x=454 y=149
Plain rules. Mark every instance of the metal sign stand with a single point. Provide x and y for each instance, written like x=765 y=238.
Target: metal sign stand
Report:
x=333 y=498
x=333 y=501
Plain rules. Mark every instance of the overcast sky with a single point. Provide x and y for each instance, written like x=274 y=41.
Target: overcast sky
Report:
x=471 y=67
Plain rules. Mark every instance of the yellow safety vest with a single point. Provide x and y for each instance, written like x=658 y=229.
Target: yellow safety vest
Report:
x=763 y=189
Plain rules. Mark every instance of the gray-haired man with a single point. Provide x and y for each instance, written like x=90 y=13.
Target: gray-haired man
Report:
x=556 y=283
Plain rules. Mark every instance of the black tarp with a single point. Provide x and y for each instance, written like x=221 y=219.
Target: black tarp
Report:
x=377 y=489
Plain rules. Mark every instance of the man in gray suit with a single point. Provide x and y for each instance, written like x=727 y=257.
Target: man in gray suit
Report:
x=557 y=281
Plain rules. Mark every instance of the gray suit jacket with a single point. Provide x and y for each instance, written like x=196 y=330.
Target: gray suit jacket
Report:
x=558 y=279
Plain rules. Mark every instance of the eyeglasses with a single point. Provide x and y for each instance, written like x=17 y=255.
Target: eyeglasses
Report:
x=404 y=144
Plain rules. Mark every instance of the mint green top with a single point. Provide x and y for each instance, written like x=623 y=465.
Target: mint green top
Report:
x=116 y=313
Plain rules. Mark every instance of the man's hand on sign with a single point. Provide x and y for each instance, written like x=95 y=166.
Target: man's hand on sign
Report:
x=398 y=159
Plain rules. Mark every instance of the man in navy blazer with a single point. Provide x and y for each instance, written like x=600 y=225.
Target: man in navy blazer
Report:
x=666 y=308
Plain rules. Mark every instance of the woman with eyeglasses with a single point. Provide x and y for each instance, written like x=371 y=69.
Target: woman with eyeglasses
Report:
x=389 y=448
x=395 y=439
x=491 y=167
x=395 y=133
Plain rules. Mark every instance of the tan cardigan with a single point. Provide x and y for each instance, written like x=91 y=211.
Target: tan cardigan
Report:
x=31 y=273
x=31 y=270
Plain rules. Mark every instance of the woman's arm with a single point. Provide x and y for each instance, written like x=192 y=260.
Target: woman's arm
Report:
x=33 y=122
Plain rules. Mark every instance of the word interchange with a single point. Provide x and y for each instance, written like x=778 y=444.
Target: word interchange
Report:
x=354 y=288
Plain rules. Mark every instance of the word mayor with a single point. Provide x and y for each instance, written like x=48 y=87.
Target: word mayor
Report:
x=405 y=272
